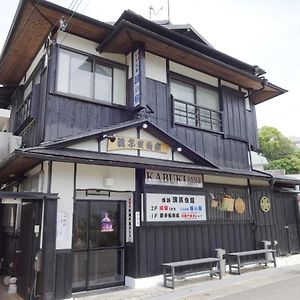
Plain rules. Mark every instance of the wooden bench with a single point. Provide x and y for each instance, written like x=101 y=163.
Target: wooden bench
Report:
x=234 y=259
x=172 y=270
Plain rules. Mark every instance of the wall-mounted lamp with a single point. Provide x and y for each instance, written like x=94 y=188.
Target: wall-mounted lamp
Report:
x=112 y=138
x=145 y=126
x=179 y=149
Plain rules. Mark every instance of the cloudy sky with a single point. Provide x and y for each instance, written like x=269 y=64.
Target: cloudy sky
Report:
x=260 y=32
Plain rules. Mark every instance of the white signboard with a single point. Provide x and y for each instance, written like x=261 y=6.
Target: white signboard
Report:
x=136 y=78
x=172 y=178
x=173 y=207
x=129 y=227
x=62 y=226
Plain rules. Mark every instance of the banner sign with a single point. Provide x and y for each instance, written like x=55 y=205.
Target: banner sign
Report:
x=136 y=78
x=129 y=219
x=172 y=207
x=173 y=179
x=129 y=143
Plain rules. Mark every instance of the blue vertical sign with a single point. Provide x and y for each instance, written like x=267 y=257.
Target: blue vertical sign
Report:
x=136 y=78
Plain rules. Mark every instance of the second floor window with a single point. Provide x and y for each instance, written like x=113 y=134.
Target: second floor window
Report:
x=86 y=77
x=196 y=105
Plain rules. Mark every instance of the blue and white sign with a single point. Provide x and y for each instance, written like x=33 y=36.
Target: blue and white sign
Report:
x=136 y=78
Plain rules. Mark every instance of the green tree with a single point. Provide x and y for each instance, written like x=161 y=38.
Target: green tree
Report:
x=291 y=164
x=274 y=145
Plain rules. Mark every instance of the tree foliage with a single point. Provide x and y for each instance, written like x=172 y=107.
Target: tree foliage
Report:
x=274 y=145
x=279 y=150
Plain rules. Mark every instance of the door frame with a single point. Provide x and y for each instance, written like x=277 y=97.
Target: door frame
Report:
x=88 y=250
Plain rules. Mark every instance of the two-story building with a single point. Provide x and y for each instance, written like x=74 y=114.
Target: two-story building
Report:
x=128 y=146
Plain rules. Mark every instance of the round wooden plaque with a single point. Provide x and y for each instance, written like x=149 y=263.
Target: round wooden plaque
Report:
x=240 y=206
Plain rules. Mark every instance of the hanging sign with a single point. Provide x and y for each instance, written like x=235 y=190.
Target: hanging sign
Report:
x=137 y=78
x=173 y=179
x=172 y=207
x=129 y=143
x=106 y=223
x=129 y=227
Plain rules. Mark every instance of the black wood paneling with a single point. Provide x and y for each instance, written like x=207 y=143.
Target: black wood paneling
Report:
x=232 y=152
x=63 y=274
x=234 y=121
x=67 y=116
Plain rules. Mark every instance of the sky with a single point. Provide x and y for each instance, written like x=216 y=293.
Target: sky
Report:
x=260 y=32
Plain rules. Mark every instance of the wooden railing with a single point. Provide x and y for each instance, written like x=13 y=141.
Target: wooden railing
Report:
x=27 y=111
x=197 y=116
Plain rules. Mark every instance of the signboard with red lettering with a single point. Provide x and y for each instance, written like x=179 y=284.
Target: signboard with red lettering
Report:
x=173 y=207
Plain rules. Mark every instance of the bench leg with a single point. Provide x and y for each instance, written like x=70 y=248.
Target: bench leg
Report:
x=173 y=278
x=274 y=258
x=229 y=262
x=165 y=276
x=219 y=268
x=239 y=265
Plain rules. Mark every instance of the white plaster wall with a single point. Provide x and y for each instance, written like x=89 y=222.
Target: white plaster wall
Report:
x=88 y=145
x=92 y=177
x=180 y=69
x=225 y=180
x=180 y=157
x=34 y=64
x=87 y=46
x=259 y=182
x=155 y=67
x=148 y=136
x=62 y=182
x=129 y=64
x=231 y=85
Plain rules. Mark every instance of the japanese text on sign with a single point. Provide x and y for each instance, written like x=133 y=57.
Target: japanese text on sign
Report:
x=170 y=208
x=136 y=78
x=129 y=143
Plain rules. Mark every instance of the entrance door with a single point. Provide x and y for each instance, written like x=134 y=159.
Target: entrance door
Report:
x=99 y=244
x=24 y=265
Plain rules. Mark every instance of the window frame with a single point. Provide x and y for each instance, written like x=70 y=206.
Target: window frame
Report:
x=193 y=82
x=95 y=59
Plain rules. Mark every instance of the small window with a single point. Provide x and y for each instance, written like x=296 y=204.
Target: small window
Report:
x=86 y=77
x=196 y=105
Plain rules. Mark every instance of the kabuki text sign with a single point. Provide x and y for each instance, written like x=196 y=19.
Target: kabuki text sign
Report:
x=173 y=207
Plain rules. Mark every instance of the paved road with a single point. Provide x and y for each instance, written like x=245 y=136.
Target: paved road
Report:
x=288 y=289
x=270 y=284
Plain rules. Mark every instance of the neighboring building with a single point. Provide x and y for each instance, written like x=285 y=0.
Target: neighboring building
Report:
x=296 y=140
x=258 y=161
x=131 y=134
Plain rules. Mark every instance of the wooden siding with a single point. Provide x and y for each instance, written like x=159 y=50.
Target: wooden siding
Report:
x=234 y=116
x=63 y=275
x=279 y=224
x=252 y=127
x=221 y=151
x=65 y=116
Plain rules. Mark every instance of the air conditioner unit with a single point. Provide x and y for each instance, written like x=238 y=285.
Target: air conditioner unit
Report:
x=8 y=143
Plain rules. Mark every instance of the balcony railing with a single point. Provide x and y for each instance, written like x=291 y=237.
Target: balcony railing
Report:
x=197 y=116
x=27 y=111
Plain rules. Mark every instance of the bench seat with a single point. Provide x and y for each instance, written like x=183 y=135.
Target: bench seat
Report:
x=234 y=259
x=171 y=270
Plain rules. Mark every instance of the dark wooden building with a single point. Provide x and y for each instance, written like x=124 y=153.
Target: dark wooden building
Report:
x=128 y=145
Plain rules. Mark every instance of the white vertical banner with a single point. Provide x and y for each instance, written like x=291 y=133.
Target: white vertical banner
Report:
x=129 y=220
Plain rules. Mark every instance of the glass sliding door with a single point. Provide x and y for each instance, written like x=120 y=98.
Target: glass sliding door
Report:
x=99 y=243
